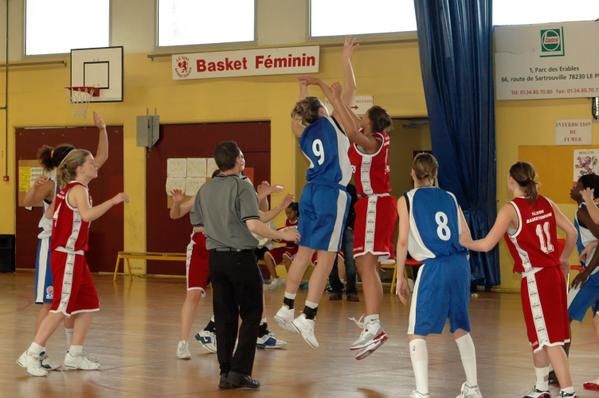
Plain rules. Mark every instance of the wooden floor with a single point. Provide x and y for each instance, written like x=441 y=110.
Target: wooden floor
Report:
x=135 y=336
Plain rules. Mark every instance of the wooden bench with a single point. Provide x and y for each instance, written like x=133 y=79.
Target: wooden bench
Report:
x=126 y=256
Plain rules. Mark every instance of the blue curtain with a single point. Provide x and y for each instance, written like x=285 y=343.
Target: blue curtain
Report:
x=456 y=44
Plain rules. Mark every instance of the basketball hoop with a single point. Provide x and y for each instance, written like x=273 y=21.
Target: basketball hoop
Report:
x=80 y=97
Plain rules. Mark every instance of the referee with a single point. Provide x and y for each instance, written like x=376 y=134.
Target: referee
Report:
x=227 y=208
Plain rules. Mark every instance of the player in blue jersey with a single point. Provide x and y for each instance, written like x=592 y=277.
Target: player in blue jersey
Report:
x=584 y=293
x=323 y=204
x=430 y=225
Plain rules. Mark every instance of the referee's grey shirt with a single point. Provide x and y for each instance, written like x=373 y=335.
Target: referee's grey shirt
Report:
x=222 y=207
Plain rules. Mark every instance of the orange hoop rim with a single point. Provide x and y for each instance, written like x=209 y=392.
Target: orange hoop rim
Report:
x=93 y=91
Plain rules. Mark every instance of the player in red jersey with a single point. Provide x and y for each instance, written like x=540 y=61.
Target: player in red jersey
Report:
x=74 y=291
x=529 y=223
x=376 y=210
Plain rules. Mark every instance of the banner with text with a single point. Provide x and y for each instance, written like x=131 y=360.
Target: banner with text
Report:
x=273 y=61
x=547 y=61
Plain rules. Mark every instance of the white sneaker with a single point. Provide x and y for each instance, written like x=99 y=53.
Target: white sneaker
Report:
x=469 y=392
x=372 y=333
x=535 y=393
x=80 y=362
x=207 y=339
x=269 y=341
x=305 y=327
x=276 y=283
x=183 y=350
x=46 y=364
x=416 y=394
x=32 y=363
x=284 y=318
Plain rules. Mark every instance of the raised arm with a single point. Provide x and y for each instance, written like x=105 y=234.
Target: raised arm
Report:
x=349 y=78
x=180 y=206
x=507 y=217
x=79 y=199
x=102 y=152
x=42 y=188
x=588 y=197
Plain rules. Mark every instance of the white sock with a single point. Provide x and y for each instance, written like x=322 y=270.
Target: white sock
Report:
x=468 y=355
x=212 y=318
x=310 y=304
x=542 y=383
x=36 y=349
x=290 y=296
x=75 y=350
x=371 y=318
x=568 y=390
x=263 y=321
x=419 y=357
x=68 y=336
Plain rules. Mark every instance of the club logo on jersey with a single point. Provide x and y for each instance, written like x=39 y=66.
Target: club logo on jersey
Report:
x=183 y=68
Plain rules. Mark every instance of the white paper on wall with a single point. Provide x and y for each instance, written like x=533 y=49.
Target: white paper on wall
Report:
x=176 y=167
x=210 y=167
x=193 y=185
x=586 y=161
x=174 y=183
x=196 y=167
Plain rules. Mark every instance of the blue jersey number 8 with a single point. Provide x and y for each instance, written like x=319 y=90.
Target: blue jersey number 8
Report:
x=443 y=231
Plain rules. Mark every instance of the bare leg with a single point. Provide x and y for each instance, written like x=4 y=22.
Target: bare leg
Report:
x=559 y=362
x=44 y=310
x=82 y=323
x=47 y=327
x=298 y=268
x=192 y=299
x=269 y=261
x=320 y=275
x=371 y=283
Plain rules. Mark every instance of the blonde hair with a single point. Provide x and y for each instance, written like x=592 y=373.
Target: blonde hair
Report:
x=307 y=109
x=425 y=166
x=67 y=171
x=524 y=174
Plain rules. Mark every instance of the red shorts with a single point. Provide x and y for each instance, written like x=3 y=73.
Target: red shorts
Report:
x=196 y=265
x=74 y=289
x=278 y=253
x=545 y=308
x=376 y=217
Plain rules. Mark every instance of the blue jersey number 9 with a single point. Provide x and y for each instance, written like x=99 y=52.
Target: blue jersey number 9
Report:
x=318 y=150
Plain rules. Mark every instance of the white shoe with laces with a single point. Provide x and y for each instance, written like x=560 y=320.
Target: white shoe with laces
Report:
x=469 y=391
x=284 y=318
x=32 y=363
x=183 y=350
x=305 y=327
x=207 y=339
x=80 y=362
x=372 y=335
x=416 y=394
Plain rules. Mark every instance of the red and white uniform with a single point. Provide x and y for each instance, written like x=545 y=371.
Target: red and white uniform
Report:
x=533 y=246
x=196 y=264
x=288 y=250
x=376 y=210
x=74 y=289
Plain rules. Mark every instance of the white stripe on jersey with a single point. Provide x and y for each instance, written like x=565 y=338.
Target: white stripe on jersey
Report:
x=370 y=225
x=67 y=283
x=337 y=230
x=416 y=246
x=537 y=311
x=342 y=148
x=365 y=175
x=42 y=268
x=413 y=304
x=514 y=239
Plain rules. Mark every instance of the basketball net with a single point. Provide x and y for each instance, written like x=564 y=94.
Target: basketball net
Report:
x=80 y=97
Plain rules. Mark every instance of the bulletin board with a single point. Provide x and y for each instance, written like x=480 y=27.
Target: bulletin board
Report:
x=554 y=167
x=192 y=141
x=28 y=170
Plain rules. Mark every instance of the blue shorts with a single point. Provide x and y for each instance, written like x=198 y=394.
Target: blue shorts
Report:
x=323 y=210
x=441 y=292
x=587 y=297
x=42 y=285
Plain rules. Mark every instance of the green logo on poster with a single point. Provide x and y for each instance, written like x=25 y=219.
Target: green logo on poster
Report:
x=552 y=42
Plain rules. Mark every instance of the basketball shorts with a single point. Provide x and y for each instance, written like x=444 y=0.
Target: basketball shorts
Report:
x=42 y=284
x=544 y=305
x=279 y=253
x=323 y=211
x=376 y=218
x=197 y=271
x=441 y=292
x=584 y=298
x=74 y=289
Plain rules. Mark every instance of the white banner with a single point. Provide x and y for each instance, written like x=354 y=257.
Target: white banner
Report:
x=574 y=132
x=268 y=61
x=547 y=61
